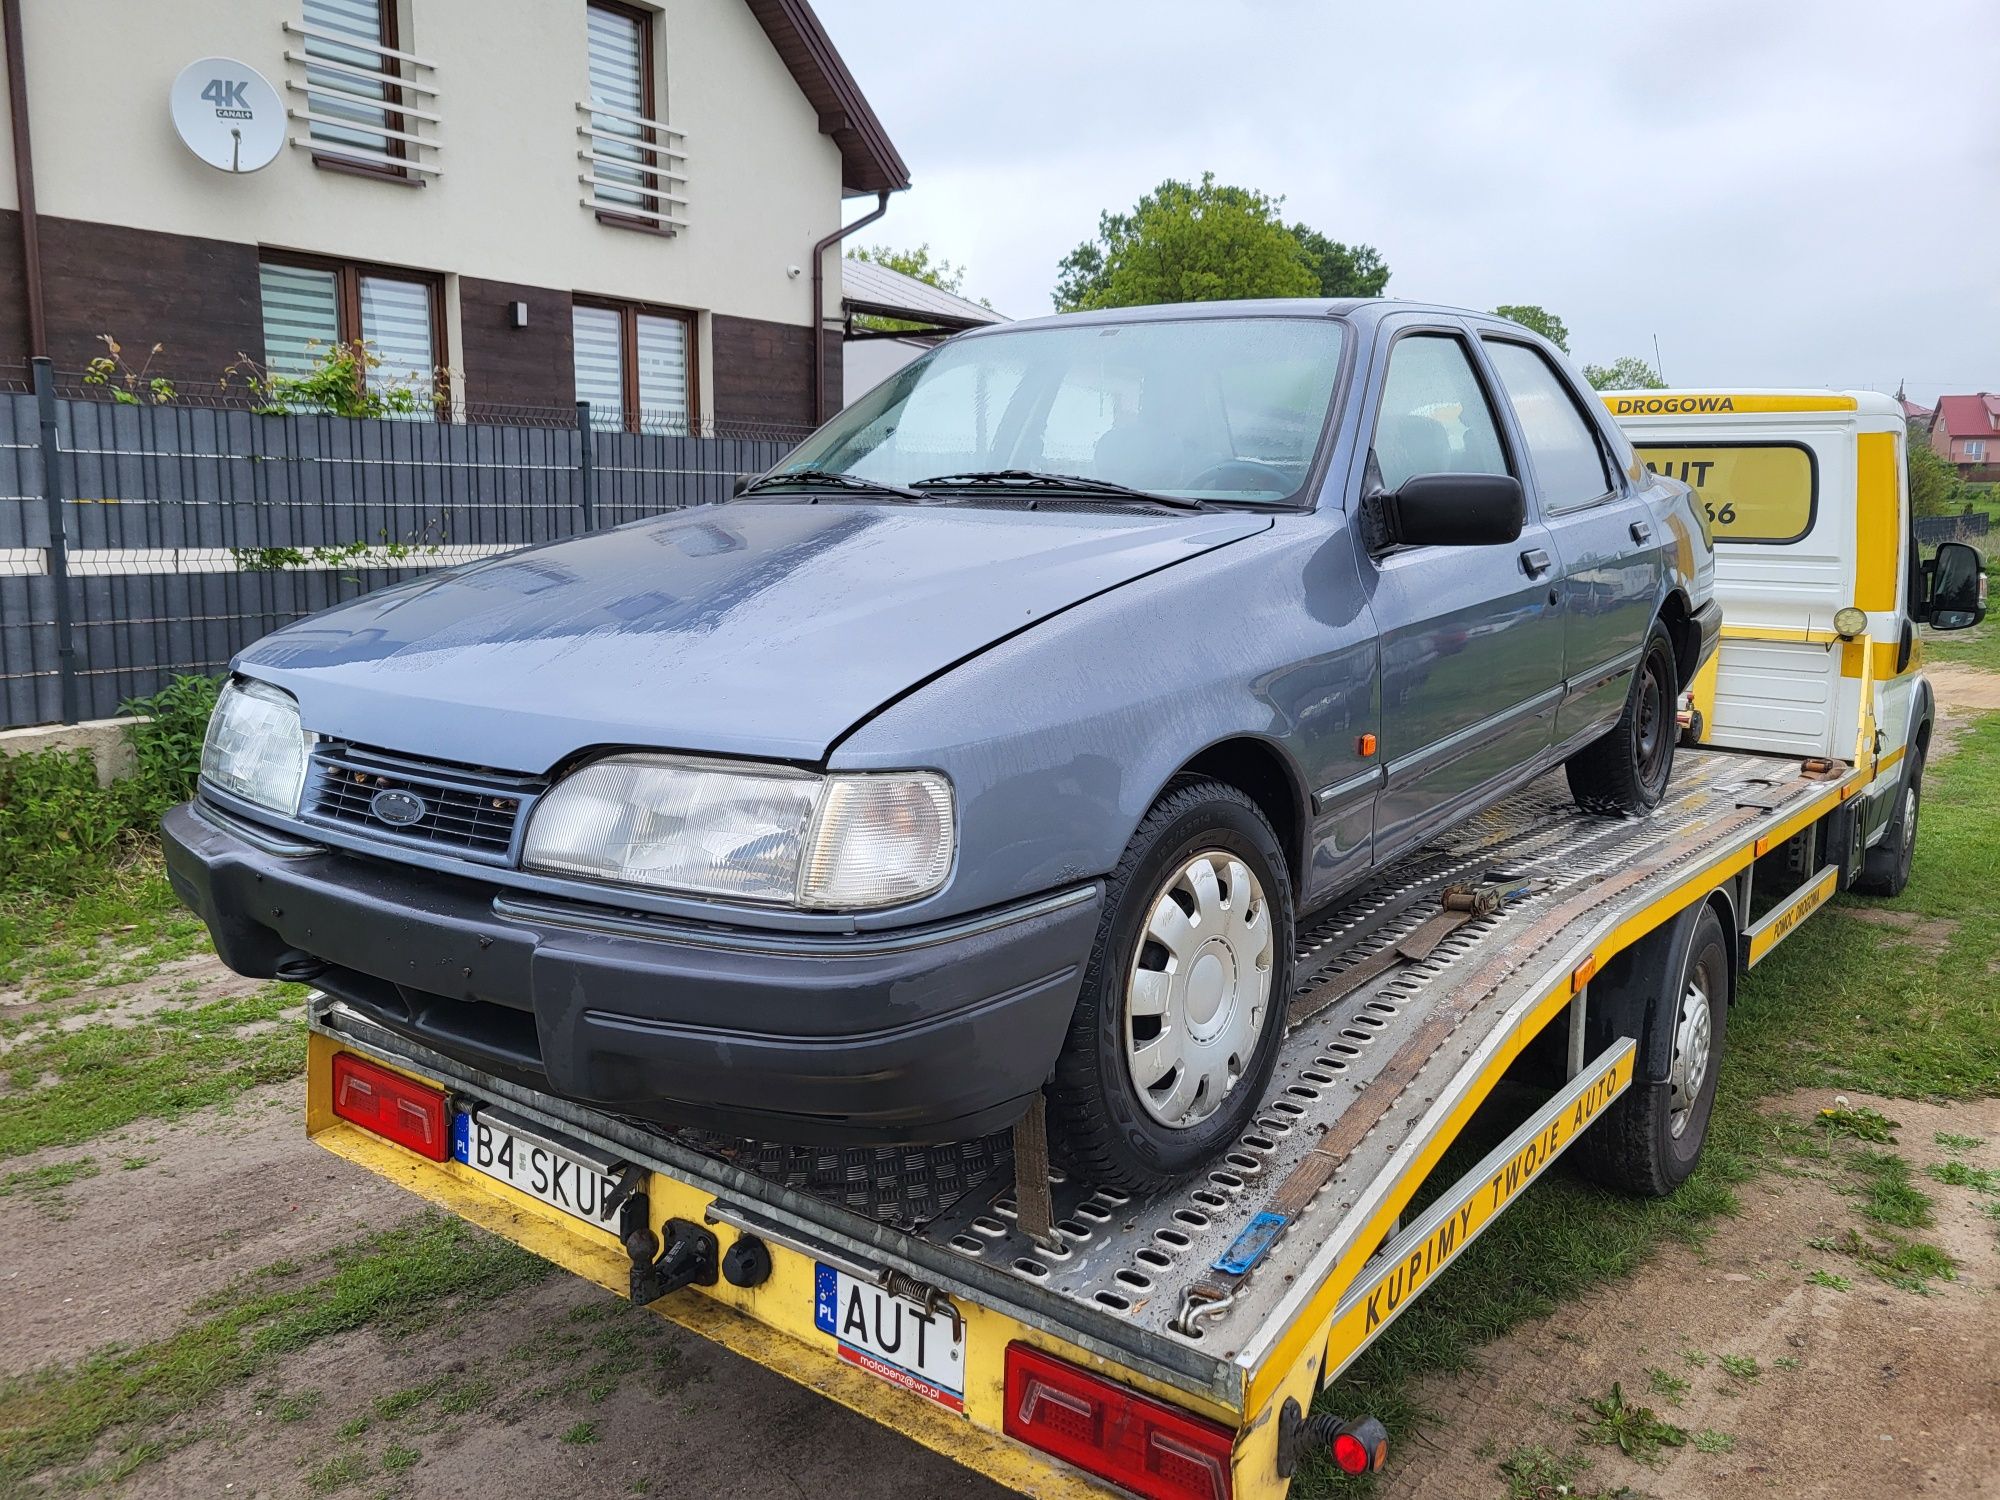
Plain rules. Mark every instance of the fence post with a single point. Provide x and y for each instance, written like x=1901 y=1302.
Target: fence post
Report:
x=45 y=410
x=586 y=469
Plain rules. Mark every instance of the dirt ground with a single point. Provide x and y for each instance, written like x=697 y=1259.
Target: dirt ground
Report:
x=130 y=1256
x=1892 y=1393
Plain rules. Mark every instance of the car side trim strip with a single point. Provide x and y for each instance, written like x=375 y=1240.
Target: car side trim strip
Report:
x=1470 y=738
x=1329 y=797
x=1576 y=687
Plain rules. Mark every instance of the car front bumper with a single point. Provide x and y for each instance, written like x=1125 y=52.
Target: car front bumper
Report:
x=934 y=1033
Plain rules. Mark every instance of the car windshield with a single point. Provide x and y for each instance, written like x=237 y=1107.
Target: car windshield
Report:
x=1215 y=409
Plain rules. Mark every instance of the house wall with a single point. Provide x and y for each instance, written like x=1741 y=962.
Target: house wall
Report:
x=502 y=219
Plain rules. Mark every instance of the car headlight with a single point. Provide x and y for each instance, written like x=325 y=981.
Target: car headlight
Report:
x=843 y=841
x=255 y=748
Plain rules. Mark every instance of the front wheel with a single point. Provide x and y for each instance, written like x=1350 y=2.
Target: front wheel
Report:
x=1885 y=869
x=1628 y=769
x=1182 y=1009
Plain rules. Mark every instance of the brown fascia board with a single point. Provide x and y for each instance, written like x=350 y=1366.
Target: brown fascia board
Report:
x=869 y=161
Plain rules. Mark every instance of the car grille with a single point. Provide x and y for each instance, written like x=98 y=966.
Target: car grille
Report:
x=469 y=813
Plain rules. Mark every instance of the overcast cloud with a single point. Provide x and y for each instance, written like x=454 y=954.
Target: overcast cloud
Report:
x=1785 y=193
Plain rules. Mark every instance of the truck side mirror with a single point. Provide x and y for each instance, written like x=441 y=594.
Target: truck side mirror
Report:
x=1955 y=587
x=1453 y=510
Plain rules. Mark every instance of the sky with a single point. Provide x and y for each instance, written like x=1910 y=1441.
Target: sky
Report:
x=1783 y=192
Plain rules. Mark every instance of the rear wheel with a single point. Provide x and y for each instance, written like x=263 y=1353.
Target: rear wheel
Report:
x=1885 y=869
x=1651 y=1138
x=1628 y=769
x=1183 y=1003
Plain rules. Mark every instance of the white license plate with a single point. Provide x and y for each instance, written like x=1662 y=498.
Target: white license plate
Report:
x=892 y=1337
x=562 y=1177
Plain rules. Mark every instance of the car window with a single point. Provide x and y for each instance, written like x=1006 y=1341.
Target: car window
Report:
x=1568 y=459
x=1434 y=417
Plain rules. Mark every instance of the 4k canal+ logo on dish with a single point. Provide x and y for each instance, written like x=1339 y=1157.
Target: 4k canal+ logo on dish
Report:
x=230 y=96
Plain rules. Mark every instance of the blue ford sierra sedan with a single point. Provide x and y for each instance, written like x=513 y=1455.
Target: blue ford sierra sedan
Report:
x=992 y=743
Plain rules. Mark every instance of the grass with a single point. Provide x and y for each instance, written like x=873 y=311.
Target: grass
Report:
x=1740 y=1366
x=1636 y=1431
x=1832 y=1280
x=121 y=1406
x=64 y=1086
x=1841 y=1005
x=1889 y=1196
x=1708 y=1440
x=1952 y=1141
x=1541 y=1474
x=1958 y=1174
x=116 y=930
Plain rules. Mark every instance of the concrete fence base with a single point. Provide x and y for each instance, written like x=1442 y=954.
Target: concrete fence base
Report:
x=106 y=740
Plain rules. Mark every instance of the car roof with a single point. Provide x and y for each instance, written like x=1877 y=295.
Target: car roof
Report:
x=1355 y=309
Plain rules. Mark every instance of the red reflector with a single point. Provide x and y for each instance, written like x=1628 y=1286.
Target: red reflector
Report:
x=396 y=1108
x=1149 y=1447
x=1351 y=1454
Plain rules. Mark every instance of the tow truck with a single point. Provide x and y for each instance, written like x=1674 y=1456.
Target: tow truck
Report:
x=1067 y=1339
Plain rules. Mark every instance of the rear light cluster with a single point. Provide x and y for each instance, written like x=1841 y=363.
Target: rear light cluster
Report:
x=1147 y=1446
x=387 y=1104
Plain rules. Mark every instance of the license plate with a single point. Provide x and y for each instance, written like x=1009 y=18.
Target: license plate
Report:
x=570 y=1177
x=892 y=1337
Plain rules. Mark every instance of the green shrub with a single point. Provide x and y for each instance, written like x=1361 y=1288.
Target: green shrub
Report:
x=59 y=829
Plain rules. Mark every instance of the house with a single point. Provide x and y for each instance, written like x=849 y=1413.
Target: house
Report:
x=552 y=201
x=892 y=317
x=1914 y=412
x=1966 y=434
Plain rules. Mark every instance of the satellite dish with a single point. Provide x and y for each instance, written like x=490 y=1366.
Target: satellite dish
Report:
x=228 y=115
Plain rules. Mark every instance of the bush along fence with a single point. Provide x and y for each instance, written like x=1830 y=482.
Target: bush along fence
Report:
x=141 y=541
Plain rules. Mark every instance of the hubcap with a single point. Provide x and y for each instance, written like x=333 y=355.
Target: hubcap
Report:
x=1199 y=991
x=1690 y=1069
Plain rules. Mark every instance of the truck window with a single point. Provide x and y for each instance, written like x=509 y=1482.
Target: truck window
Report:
x=1568 y=459
x=1760 y=493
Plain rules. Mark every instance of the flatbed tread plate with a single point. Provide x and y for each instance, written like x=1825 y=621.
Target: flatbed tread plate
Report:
x=1134 y=1258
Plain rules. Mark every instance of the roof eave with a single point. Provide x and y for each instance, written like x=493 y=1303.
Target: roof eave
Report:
x=869 y=161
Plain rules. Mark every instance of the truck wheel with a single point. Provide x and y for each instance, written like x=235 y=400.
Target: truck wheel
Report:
x=1182 y=1010
x=1627 y=770
x=1885 y=869
x=1650 y=1139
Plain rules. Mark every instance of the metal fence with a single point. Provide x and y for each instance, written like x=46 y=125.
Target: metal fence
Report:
x=138 y=542
x=1930 y=530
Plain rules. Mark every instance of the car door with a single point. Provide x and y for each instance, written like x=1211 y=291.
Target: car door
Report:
x=1605 y=535
x=1470 y=638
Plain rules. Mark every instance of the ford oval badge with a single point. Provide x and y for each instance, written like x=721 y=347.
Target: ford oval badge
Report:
x=397 y=808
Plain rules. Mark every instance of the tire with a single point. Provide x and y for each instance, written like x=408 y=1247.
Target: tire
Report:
x=1627 y=770
x=1651 y=1138
x=1885 y=869
x=1108 y=1125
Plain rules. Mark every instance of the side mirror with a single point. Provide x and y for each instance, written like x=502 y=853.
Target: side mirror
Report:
x=1955 y=587
x=1453 y=510
x=741 y=483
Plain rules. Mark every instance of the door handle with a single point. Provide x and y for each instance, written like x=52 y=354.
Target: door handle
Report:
x=1535 y=562
x=1642 y=531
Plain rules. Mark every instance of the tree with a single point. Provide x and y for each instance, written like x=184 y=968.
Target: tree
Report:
x=1935 y=487
x=1343 y=270
x=939 y=273
x=1193 y=242
x=1628 y=372
x=1536 y=320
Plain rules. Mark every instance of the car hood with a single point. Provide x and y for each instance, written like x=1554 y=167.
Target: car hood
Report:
x=753 y=628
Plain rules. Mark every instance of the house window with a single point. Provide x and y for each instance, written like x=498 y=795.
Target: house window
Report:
x=634 y=366
x=350 y=64
x=312 y=304
x=1975 y=448
x=632 y=184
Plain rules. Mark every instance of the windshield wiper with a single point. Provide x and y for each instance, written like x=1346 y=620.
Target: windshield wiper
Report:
x=834 y=479
x=1035 y=479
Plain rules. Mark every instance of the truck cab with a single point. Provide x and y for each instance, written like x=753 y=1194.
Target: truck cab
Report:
x=1822 y=589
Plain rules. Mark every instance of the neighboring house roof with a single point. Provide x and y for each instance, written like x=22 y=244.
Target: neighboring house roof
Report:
x=1969 y=416
x=877 y=291
x=869 y=162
